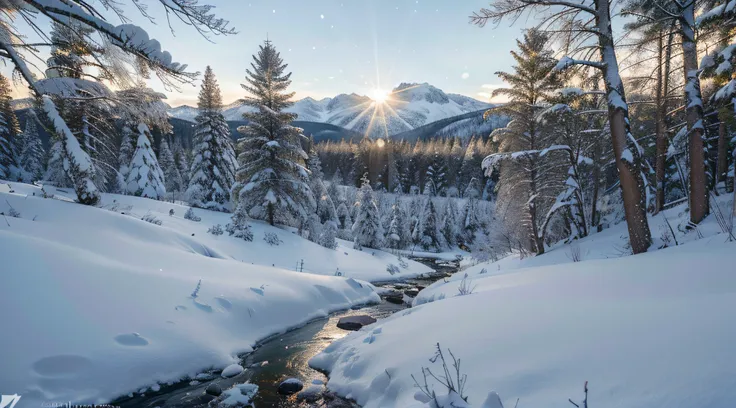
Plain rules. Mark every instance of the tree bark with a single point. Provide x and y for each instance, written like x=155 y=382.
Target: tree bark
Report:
x=661 y=132
x=722 y=165
x=694 y=105
x=632 y=181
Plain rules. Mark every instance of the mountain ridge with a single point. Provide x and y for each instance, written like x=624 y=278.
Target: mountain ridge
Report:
x=408 y=107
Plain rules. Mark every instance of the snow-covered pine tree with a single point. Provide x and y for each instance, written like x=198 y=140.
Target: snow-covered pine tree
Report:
x=334 y=191
x=325 y=206
x=239 y=227
x=399 y=235
x=470 y=223
x=328 y=237
x=128 y=143
x=9 y=130
x=437 y=172
x=145 y=177
x=471 y=165
x=55 y=173
x=33 y=155
x=450 y=226
x=367 y=229
x=428 y=234
x=168 y=165
x=182 y=161
x=212 y=173
x=271 y=182
x=528 y=179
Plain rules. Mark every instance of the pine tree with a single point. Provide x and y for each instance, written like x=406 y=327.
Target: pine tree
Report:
x=239 y=227
x=428 y=233
x=9 y=130
x=325 y=205
x=450 y=228
x=334 y=190
x=182 y=162
x=367 y=229
x=128 y=143
x=398 y=235
x=271 y=180
x=168 y=165
x=55 y=173
x=470 y=223
x=328 y=237
x=212 y=173
x=32 y=155
x=145 y=178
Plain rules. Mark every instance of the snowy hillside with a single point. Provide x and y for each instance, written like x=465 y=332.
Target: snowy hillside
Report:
x=108 y=303
x=651 y=330
x=409 y=106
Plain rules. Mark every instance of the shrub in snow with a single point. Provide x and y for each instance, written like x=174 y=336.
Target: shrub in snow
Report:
x=272 y=239
x=466 y=286
x=483 y=271
x=367 y=228
x=152 y=219
x=216 y=230
x=190 y=215
x=451 y=380
x=196 y=290
x=328 y=236
x=393 y=269
x=239 y=227
x=574 y=253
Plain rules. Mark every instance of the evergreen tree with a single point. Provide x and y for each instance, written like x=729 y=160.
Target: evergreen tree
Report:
x=450 y=228
x=325 y=205
x=168 y=165
x=182 y=162
x=328 y=237
x=9 y=130
x=470 y=222
x=145 y=178
x=367 y=229
x=55 y=173
x=32 y=155
x=271 y=180
x=334 y=190
x=125 y=152
x=212 y=173
x=436 y=177
x=428 y=233
x=343 y=217
x=398 y=235
x=239 y=227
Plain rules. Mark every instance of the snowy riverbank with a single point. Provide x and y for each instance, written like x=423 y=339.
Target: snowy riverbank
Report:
x=652 y=330
x=102 y=301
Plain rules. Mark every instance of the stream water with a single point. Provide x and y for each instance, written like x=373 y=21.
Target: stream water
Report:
x=280 y=357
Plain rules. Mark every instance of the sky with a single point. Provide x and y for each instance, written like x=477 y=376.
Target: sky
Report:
x=345 y=46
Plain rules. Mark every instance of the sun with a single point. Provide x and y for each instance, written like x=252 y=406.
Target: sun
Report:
x=380 y=95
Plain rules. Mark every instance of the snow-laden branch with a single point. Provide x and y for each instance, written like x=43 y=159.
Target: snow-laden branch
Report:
x=492 y=161
x=567 y=62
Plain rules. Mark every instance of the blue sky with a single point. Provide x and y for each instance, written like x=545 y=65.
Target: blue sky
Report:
x=343 y=46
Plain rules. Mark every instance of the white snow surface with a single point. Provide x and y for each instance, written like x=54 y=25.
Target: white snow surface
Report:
x=651 y=330
x=100 y=303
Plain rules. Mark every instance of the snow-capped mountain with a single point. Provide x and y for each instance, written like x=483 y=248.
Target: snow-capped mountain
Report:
x=408 y=107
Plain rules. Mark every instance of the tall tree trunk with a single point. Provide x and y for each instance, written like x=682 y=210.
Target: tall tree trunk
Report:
x=722 y=165
x=661 y=132
x=632 y=181
x=694 y=105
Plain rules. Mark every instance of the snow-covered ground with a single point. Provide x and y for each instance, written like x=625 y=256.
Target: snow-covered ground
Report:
x=98 y=303
x=651 y=330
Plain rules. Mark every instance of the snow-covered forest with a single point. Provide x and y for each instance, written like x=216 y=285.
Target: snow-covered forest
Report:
x=573 y=238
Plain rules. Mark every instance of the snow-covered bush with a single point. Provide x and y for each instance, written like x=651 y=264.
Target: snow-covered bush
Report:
x=152 y=219
x=328 y=236
x=466 y=286
x=196 y=290
x=12 y=212
x=191 y=216
x=393 y=269
x=216 y=230
x=574 y=253
x=450 y=380
x=272 y=239
x=239 y=227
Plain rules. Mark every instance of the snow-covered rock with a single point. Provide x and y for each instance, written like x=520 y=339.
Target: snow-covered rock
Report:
x=232 y=370
x=290 y=386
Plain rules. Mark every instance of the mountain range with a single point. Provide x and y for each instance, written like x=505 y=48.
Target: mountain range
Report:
x=408 y=107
